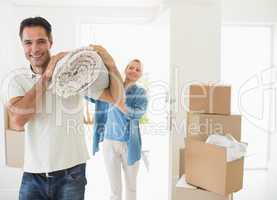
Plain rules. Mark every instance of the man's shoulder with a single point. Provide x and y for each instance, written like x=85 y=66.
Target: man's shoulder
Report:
x=15 y=81
x=18 y=75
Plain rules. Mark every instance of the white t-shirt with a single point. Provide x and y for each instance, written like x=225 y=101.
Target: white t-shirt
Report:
x=55 y=137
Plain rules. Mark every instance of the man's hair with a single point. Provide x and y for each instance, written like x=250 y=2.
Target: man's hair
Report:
x=36 y=21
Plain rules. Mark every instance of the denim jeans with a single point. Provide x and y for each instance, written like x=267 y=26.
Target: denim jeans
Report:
x=66 y=184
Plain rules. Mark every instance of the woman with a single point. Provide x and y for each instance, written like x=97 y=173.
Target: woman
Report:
x=118 y=126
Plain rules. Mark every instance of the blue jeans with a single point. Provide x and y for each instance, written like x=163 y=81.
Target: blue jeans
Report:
x=68 y=184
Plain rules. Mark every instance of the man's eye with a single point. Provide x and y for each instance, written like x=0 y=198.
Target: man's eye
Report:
x=27 y=43
x=41 y=41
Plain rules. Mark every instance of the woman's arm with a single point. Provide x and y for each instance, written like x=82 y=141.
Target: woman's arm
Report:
x=136 y=105
x=115 y=92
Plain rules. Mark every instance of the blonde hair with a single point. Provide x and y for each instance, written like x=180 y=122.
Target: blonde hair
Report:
x=135 y=60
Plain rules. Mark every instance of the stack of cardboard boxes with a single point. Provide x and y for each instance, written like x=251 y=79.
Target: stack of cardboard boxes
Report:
x=206 y=165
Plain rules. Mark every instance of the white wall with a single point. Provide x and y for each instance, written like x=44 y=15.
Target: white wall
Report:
x=271 y=192
x=195 y=56
x=10 y=178
x=258 y=12
x=249 y=11
x=64 y=20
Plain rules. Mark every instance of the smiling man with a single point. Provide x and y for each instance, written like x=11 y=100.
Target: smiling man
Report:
x=55 y=155
x=36 y=40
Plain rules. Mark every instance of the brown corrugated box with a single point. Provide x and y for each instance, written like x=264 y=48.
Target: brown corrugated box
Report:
x=198 y=194
x=188 y=193
x=213 y=99
x=207 y=167
x=208 y=124
x=14 y=144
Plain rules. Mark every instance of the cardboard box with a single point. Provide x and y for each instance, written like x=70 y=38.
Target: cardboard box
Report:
x=212 y=99
x=186 y=192
x=207 y=167
x=208 y=124
x=14 y=144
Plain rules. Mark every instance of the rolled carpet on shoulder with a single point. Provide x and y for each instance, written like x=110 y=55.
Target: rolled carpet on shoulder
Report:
x=79 y=71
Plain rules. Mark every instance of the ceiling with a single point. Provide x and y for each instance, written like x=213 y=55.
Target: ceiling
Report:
x=108 y=3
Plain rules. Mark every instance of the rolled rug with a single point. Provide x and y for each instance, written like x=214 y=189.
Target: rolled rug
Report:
x=78 y=73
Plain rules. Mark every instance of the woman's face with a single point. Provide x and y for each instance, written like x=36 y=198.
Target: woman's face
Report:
x=133 y=71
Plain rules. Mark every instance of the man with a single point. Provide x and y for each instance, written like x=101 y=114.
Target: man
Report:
x=55 y=148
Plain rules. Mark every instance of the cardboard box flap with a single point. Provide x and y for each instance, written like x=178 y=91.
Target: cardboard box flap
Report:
x=207 y=167
x=196 y=146
x=182 y=183
x=207 y=158
x=235 y=171
x=185 y=191
x=182 y=162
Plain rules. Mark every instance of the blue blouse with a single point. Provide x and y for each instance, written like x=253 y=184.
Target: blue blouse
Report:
x=136 y=103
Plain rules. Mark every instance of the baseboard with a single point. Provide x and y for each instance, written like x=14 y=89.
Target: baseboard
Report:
x=9 y=194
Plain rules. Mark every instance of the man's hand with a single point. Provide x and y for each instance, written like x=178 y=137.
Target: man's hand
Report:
x=52 y=64
x=106 y=57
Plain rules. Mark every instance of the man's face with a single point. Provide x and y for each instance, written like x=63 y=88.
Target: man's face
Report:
x=36 y=47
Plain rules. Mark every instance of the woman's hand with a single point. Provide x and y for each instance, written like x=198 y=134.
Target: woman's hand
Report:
x=104 y=54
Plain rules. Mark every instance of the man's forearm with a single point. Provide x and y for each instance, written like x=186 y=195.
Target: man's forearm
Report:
x=23 y=110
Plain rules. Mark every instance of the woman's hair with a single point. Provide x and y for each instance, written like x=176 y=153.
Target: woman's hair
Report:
x=135 y=60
